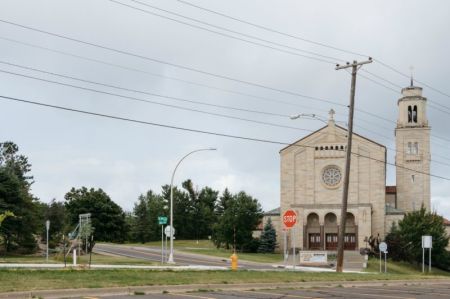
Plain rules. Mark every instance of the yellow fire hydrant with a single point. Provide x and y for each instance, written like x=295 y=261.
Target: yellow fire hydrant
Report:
x=234 y=262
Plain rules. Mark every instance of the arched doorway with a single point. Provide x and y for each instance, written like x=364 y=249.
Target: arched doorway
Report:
x=350 y=232
x=313 y=231
x=331 y=231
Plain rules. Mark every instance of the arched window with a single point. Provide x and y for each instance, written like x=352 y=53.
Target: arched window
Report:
x=409 y=150
x=409 y=114
x=416 y=148
x=326 y=148
x=317 y=148
x=321 y=148
x=331 y=147
x=414 y=115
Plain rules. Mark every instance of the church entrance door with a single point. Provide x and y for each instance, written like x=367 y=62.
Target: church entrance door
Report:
x=314 y=241
x=331 y=241
x=350 y=241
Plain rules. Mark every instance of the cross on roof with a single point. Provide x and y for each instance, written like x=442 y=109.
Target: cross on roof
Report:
x=331 y=113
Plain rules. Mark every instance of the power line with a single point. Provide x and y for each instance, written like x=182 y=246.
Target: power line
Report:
x=272 y=30
x=127 y=68
x=155 y=102
x=324 y=58
x=319 y=44
x=285 y=116
x=191 y=82
x=146 y=92
x=15 y=99
x=176 y=98
x=192 y=69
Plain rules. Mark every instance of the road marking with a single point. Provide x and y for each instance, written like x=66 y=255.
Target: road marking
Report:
x=365 y=294
x=409 y=291
x=278 y=294
x=188 y=295
x=90 y=298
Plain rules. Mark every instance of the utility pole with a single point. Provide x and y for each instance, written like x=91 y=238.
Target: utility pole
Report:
x=340 y=254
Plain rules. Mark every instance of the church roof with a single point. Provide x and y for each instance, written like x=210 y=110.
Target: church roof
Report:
x=274 y=212
x=324 y=127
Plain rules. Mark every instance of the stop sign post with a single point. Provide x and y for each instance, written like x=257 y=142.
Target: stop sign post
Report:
x=289 y=221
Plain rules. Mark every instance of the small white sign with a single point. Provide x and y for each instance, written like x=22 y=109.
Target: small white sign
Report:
x=167 y=231
x=313 y=257
x=47 y=224
x=383 y=247
x=427 y=242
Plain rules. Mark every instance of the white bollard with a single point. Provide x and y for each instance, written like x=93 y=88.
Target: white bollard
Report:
x=74 y=257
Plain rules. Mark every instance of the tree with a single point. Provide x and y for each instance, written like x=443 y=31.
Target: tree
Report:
x=15 y=181
x=15 y=163
x=108 y=218
x=241 y=215
x=5 y=215
x=268 y=239
x=55 y=211
x=145 y=225
x=405 y=239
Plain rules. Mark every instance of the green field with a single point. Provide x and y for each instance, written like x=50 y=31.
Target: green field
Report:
x=401 y=268
x=23 y=280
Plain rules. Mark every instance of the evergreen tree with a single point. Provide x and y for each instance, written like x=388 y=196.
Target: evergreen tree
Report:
x=268 y=240
x=404 y=241
x=17 y=232
x=241 y=215
x=140 y=226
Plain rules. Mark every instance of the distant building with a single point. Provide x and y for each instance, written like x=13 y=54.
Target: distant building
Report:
x=312 y=171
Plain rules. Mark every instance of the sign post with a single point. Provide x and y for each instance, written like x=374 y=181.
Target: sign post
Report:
x=383 y=248
x=427 y=243
x=162 y=220
x=289 y=221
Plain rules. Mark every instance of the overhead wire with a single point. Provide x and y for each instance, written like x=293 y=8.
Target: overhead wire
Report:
x=323 y=58
x=273 y=30
x=127 y=68
x=154 y=102
x=173 y=98
x=194 y=69
x=384 y=64
x=16 y=99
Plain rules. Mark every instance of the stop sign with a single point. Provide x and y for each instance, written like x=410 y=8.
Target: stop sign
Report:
x=289 y=218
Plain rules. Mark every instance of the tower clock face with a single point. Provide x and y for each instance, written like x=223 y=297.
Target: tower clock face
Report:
x=331 y=175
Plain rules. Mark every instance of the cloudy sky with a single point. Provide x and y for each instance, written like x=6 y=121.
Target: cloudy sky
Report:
x=177 y=47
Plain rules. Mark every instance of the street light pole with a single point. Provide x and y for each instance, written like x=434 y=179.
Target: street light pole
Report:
x=47 y=226
x=171 y=260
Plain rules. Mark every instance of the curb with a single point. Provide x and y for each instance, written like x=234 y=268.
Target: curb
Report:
x=72 y=293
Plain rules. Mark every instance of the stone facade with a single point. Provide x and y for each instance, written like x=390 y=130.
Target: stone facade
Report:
x=312 y=171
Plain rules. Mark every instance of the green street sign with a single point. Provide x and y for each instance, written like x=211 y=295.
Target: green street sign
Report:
x=162 y=220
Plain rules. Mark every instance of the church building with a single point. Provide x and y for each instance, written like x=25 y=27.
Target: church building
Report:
x=312 y=171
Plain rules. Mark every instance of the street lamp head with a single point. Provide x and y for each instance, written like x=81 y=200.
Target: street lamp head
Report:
x=212 y=149
x=294 y=116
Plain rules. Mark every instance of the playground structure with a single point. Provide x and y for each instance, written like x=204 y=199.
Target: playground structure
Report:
x=81 y=232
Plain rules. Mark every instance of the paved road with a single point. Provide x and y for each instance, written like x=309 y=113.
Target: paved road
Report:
x=422 y=291
x=181 y=258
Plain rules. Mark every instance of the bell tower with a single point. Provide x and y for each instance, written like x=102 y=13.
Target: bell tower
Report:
x=412 y=136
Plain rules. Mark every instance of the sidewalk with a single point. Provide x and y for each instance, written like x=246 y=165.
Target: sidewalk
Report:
x=72 y=293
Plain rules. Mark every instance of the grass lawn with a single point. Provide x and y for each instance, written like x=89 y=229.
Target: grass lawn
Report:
x=401 y=268
x=24 y=280
x=207 y=247
x=96 y=259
